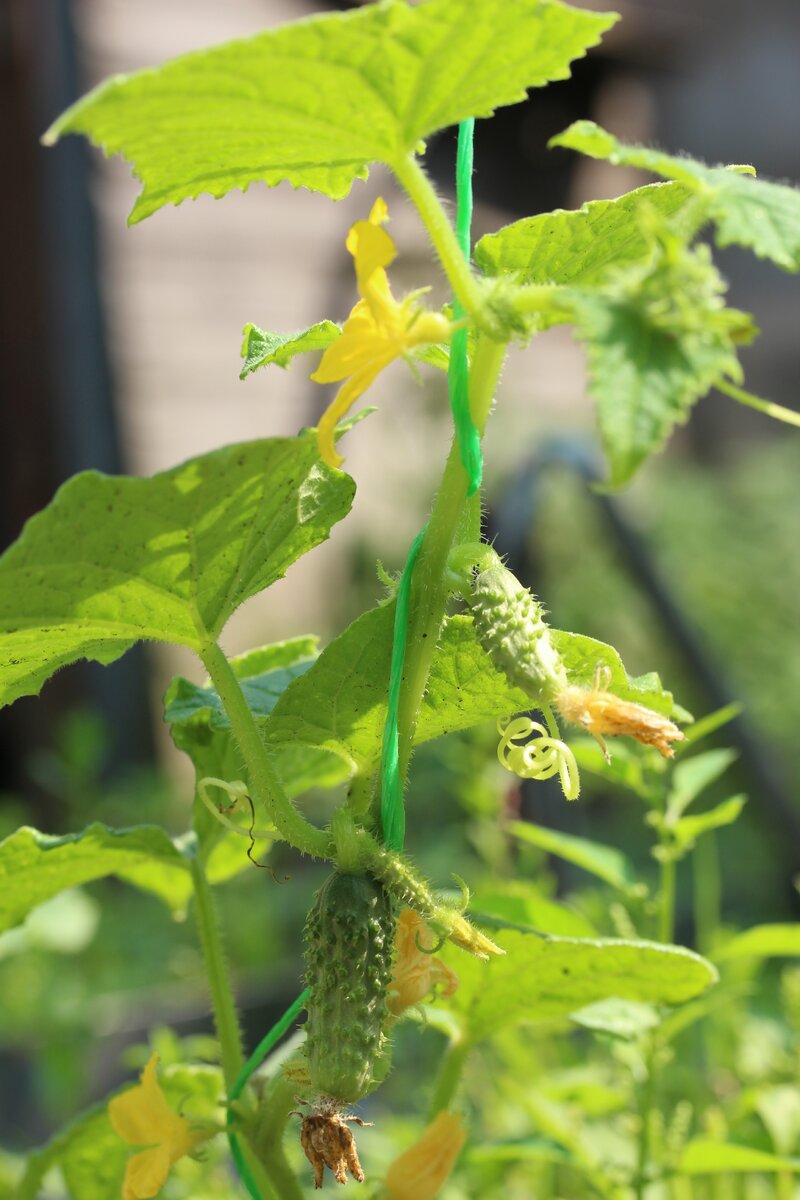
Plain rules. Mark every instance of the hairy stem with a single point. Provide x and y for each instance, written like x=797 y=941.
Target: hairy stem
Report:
x=219 y=982
x=765 y=406
x=421 y=191
x=431 y=584
x=264 y=781
x=449 y=1078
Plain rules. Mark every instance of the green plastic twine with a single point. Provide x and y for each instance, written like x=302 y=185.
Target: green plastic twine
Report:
x=393 y=817
x=469 y=440
x=254 y=1061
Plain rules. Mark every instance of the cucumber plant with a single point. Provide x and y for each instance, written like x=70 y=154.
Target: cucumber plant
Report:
x=459 y=642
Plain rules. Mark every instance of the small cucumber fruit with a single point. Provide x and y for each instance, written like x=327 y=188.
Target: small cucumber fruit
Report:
x=349 y=938
x=510 y=624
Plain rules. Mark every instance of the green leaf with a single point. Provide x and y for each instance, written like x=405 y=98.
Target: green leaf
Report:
x=35 y=866
x=583 y=655
x=542 y=978
x=627 y=1020
x=704 y=1157
x=688 y=829
x=763 y=941
x=340 y=704
x=692 y=776
x=705 y=726
x=260 y=348
x=583 y=247
x=317 y=101
x=750 y=212
x=517 y=903
x=113 y=560
x=657 y=337
x=626 y=768
x=606 y=862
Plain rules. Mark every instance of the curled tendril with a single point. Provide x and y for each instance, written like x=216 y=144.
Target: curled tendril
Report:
x=540 y=758
x=235 y=792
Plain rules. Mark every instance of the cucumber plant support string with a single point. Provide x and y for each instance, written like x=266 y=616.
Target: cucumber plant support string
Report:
x=469 y=444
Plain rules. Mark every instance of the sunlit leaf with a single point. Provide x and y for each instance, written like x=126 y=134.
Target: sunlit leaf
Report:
x=516 y=902
x=541 y=978
x=260 y=348
x=315 y=102
x=748 y=212
x=581 y=247
x=113 y=560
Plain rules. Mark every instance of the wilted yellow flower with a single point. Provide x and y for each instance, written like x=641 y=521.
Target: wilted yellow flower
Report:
x=423 y=1169
x=416 y=973
x=378 y=330
x=142 y=1117
x=600 y=711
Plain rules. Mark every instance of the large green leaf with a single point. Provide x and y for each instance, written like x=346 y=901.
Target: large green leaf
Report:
x=340 y=704
x=540 y=978
x=316 y=102
x=581 y=247
x=657 y=337
x=748 y=212
x=35 y=866
x=113 y=560
x=763 y=941
x=606 y=862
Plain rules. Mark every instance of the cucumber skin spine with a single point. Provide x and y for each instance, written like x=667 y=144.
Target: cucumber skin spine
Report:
x=349 y=948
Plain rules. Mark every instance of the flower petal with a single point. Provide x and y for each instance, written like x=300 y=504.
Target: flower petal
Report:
x=146 y=1174
x=342 y=402
x=141 y=1116
x=420 y=1173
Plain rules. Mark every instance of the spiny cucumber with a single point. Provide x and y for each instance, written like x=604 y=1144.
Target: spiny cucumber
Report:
x=349 y=943
x=510 y=624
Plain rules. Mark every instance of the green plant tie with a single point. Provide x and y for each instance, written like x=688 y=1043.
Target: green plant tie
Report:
x=393 y=817
x=253 y=1063
x=469 y=439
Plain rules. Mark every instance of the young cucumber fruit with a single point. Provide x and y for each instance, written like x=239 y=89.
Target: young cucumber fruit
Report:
x=511 y=628
x=349 y=943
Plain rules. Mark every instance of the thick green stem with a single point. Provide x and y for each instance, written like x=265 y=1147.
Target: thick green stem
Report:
x=707 y=892
x=421 y=191
x=431 y=583
x=666 y=914
x=449 y=1077
x=222 y=1002
x=263 y=779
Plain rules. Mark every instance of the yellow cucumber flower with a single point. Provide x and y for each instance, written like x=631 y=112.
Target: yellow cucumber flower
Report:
x=420 y=1173
x=142 y=1117
x=378 y=330
x=416 y=971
